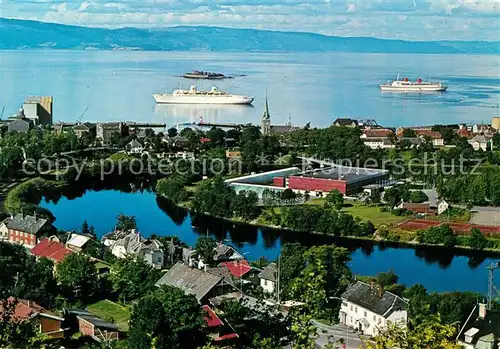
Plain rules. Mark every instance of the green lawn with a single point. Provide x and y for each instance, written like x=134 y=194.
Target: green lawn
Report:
x=106 y=310
x=373 y=214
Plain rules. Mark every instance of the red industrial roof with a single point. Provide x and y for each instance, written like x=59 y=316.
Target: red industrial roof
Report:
x=237 y=268
x=50 y=249
x=212 y=320
x=429 y=133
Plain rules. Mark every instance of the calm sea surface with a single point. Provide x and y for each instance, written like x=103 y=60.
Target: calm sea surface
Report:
x=436 y=269
x=301 y=87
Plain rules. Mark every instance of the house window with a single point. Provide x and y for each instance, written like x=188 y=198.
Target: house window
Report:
x=351 y=307
x=265 y=282
x=374 y=318
x=366 y=315
x=356 y=310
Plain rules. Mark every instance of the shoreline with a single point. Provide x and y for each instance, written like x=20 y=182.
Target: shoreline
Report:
x=458 y=250
x=397 y=244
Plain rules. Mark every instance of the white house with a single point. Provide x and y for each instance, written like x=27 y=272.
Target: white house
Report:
x=76 y=242
x=134 y=147
x=442 y=206
x=378 y=143
x=368 y=309
x=481 y=330
x=4 y=231
x=135 y=245
x=479 y=142
x=267 y=278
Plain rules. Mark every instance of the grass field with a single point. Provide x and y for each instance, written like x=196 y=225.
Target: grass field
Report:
x=106 y=309
x=366 y=213
x=373 y=214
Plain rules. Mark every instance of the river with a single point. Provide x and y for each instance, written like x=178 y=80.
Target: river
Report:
x=438 y=269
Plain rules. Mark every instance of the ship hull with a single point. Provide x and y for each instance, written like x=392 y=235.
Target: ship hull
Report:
x=411 y=89
x=203 y=77
x=170 y=99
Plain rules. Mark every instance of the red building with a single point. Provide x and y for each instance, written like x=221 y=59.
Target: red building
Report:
x=317 y=184
x=26 y=230
x=48 y=323
x=52 y=249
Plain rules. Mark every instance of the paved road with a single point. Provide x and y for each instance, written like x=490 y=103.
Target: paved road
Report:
x=485 y=215
x=336 y=333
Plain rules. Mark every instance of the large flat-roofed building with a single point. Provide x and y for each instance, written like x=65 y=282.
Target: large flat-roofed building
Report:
x=39 y=110
x=342 y=178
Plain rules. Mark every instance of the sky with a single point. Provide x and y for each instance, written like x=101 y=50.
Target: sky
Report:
x=394 y=19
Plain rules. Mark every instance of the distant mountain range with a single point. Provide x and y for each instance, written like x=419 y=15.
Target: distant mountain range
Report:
x=22 y=34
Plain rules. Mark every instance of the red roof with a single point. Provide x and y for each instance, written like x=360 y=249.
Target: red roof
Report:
x=378 y=133
x=50 y=249
x=237 y=268
x=226 y=336
x=464 y=133
x=25 y=309
x=212 y=320
x=204 y=140
x=429 y=133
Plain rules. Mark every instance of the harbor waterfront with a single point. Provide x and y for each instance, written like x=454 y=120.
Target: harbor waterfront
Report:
x=302 y=87
x=438 y=269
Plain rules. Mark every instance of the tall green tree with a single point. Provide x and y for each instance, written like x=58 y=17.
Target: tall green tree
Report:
x=166 y=319
x=125 y=223
x=133 y=278
x=78 y=278
x=335 y=199
x=205 y=246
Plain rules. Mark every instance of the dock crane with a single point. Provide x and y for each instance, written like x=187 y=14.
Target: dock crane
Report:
x=492 y=290
x=79 y=119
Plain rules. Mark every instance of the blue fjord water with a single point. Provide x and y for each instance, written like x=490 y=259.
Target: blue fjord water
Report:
x=436 y=269
x=302 y=87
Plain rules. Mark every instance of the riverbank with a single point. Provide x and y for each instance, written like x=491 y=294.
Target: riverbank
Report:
x=30 y=193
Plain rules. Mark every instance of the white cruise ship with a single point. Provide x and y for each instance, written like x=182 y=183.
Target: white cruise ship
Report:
x=193 y=96
x=413 y=86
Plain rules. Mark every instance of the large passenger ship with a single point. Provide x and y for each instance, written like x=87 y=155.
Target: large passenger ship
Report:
x=406 y=85
x=194 y=96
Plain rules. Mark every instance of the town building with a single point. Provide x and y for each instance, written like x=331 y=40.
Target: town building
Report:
x=495 y=123
x=480 y=142
x=268 y=277
x=134 y=147
x=369 y=309
x=435 y=137
x=342 y=178
x=345 y=122
x=133 y=244
x=105 y=131
x=378 y=143
x=218 y=332
x=267 y=129
x=481 y=330
x=484 y=129
x=4 y=231
x=377 y=133
x=442 y=206
x=20 y=125
x=52 y=249
x=224 y=253
x=420 y=209
x=85 y=128
x=47 y=322
x=198 y=282
x=91 y=325
x=39 y=110
x=26 y=230
x=77 y=242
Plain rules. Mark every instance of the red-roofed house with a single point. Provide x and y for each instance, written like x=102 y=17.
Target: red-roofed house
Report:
x=377 y=133
x=437 y=139
x=216 y=326
x=424 y=209
x=52 y=249
x=237 y=268
x=48 y=323
x=205 y=140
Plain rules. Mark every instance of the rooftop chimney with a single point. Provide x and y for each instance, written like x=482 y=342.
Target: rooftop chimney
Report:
x=482 y=311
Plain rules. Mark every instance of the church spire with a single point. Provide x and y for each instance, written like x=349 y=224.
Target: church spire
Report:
x=265 y=122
